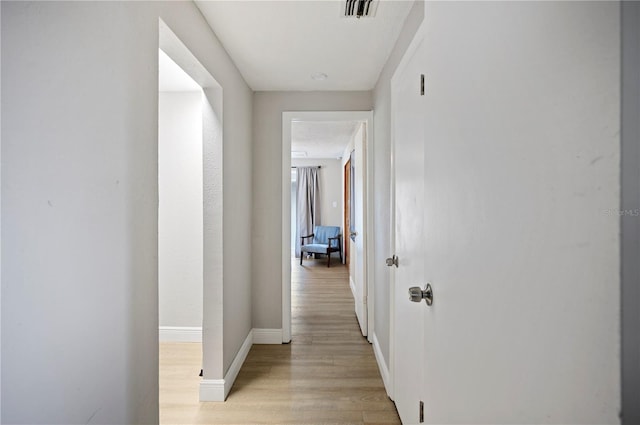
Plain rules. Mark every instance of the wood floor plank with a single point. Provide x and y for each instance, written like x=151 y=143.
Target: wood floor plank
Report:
x=326 y=375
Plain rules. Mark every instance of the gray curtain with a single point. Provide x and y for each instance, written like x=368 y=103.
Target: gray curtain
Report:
x=308 y=209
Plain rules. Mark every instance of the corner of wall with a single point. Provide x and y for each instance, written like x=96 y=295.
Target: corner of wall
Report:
x=218 y=389
x=267 y=336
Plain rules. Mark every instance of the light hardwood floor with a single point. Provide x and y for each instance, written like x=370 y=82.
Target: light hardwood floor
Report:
x=327 y=375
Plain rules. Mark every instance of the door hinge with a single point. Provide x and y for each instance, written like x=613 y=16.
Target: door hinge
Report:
x=421 y=411
x=421 y=84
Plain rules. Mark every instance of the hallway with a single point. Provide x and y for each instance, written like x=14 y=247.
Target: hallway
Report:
x=328 y=374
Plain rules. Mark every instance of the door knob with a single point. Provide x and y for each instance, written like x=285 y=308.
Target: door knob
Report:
x=392 y=261
x=416 y=294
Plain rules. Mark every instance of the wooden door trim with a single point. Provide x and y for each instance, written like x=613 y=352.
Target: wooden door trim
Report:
x=346 y=210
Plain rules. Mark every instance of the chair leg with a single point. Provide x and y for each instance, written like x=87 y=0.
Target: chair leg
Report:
x=301 y=254
x=340 y=252
x=329 y=259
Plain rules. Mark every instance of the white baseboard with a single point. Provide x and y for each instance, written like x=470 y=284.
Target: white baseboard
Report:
x=180 y=334
x=352 y=285
x=234 y=369
x=267 y=336
x=382 y=365
x=212 y=390
x=218 y=389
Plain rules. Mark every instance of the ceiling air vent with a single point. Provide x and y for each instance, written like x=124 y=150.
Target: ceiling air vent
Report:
x=360 y=8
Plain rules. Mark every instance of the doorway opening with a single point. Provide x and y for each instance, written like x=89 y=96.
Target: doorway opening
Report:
x=302 y=128
x=190 y=211
x=317 y=152
x=180 y=222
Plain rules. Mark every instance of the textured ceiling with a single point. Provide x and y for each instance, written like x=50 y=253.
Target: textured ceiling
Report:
x=321 y=139
x=278 y=45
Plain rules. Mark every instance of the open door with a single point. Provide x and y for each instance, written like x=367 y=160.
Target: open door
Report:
x=347 y=209
x=357 y=233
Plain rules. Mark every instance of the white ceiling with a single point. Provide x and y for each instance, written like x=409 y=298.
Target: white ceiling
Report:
x=321 y=139
x=171 y=77
x=278 y=45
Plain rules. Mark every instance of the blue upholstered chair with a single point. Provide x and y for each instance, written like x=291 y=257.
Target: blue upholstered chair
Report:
x=325 y=240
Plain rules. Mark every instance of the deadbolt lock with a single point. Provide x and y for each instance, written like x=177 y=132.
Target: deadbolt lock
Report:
x=392 y=261
x=416 y=294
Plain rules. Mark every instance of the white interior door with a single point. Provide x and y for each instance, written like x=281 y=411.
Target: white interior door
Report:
x=408 y=154
x=357 y=261
x=524 y=264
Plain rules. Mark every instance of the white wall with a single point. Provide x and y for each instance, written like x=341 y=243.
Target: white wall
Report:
x=330 y=189
x=80 y=204
x=630 y=220
x=382 y=191
x=180 y=233
x=0 y=226
x=267 y=188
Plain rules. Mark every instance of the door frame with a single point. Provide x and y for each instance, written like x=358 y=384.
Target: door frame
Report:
x=287 y=118
x=395 y=80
